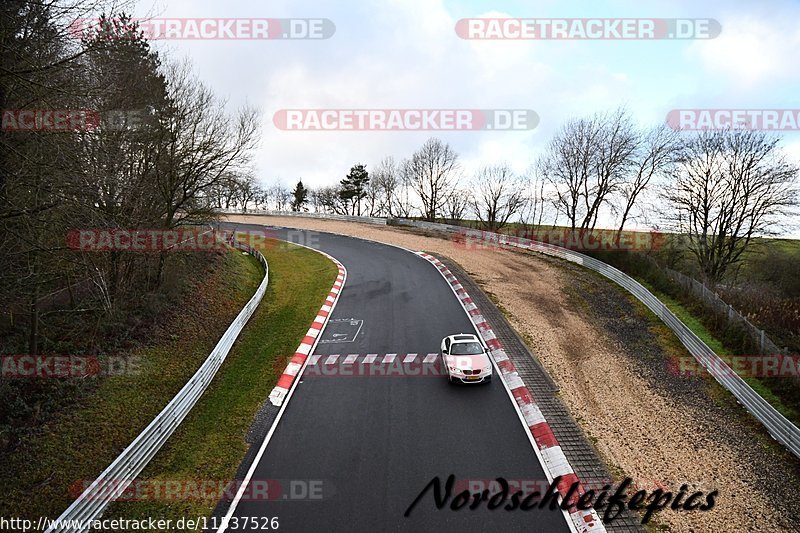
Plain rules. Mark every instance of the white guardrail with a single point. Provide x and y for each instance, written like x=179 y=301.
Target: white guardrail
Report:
x=301 y=214
x=776 y=424
x=130 y=463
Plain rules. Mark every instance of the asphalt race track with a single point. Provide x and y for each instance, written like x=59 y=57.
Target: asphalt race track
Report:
x=367 y=446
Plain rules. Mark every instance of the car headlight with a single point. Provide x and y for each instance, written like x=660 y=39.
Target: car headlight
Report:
x=455 y=370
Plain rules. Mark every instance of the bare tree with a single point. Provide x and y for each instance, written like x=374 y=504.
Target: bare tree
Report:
x=383 y=186
x=729 y=186
x=200 y=145
x=280 y=195
x=317 y=200
x=246 y=190
x=432 y=172
x=586 y=162
x=222 y=195
x=536 y=203
x=329 y=200
x=402 y=204
x=567 y=166
x=456 y=205
x=262 y=198
x=498 y=195
x=654 y=154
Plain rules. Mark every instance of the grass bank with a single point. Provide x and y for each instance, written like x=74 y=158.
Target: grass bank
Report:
x=210 y=444
x=41 y=477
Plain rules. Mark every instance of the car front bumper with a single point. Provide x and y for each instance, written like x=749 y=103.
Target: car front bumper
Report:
x=471 y=380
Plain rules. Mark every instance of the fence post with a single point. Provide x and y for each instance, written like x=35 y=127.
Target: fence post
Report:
x=762 y=340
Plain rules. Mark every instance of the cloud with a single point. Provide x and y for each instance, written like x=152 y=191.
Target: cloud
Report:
x=406 y=54
x=752 y=51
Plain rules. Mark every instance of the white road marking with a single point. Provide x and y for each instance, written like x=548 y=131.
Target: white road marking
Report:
x=410 y=358
x=598 y=526
x=331 y=359
x=284 y=401
x=389 y=357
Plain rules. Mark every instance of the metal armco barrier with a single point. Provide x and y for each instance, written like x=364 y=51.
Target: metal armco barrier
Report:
x=327 y=216
x=130 y=463
x=776 y=424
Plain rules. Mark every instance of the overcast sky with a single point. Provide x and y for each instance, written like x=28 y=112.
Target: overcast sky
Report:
x=406 y=54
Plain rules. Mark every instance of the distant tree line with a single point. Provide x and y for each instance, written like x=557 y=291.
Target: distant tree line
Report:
x=719 y=189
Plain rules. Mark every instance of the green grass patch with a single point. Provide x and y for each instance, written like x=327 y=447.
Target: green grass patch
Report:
x=210 y=444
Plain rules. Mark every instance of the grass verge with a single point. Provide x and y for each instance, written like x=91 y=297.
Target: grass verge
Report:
x=39 y=477
x=210 y=444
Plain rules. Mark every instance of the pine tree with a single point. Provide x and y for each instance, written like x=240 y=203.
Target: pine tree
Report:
x=354 y=187
x=300 y=194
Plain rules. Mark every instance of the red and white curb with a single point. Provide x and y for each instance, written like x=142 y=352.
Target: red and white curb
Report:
x=554 y=461
x=295 y=365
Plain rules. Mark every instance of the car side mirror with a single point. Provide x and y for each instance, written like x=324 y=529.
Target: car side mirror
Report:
x=444 y=352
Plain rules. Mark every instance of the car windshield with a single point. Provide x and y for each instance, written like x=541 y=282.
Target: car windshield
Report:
x=466 y=348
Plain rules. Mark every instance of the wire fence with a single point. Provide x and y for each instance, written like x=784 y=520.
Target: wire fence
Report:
x=712 y=300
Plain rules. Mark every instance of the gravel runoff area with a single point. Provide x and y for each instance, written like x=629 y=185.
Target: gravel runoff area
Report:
x=646 y=422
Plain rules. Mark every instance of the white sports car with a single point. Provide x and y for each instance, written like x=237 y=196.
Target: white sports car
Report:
x=465 y=359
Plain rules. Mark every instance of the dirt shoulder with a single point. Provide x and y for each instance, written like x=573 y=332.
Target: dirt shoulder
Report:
x=610 y=362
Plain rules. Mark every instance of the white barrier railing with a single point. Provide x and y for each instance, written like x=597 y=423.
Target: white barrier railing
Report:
x=327 y=216
x=130 y=463
x=778 y=426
